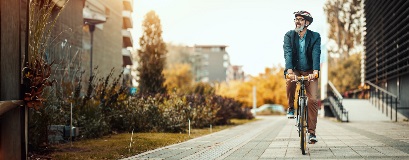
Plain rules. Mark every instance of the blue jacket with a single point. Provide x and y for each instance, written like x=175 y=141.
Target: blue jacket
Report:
x=291 y=49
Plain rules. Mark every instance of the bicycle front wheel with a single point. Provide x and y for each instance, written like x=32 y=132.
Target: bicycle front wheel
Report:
x=303 y=124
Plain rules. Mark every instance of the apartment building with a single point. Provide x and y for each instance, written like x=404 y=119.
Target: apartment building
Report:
x=235 y=73
x=211 y=63
x=92 y=33
x=111 y=37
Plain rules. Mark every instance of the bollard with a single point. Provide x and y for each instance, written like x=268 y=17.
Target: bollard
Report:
x=210 y=128
x=189 y=127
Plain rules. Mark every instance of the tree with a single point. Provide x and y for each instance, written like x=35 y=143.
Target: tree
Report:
x=344 y=17
x=346 y=75
x=178 y=54
x=346 y=23
x=271 y=88
x=178 y=76
x=152 y=56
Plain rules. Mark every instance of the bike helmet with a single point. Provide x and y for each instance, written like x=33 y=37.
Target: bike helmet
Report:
x=306 y=15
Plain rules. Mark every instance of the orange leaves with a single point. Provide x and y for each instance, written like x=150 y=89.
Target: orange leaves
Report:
x=270 y=88
x=35 y=78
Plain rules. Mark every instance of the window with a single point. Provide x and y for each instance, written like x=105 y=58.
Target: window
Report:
x=225 y=64
x=215 y=49
x=205 y=63
x=226 y=57
x=205 y=56
x=205 y=79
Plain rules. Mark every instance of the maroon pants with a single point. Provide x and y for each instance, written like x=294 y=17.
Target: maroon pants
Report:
x=312 y=94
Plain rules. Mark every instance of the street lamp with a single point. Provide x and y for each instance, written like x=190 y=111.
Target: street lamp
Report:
x=92 y=19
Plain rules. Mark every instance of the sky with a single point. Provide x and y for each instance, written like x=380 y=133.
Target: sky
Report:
x=253 y=30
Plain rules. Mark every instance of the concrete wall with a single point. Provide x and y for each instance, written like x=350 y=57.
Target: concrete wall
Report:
x=107 y=46
x=217 y=72
x=403 y=94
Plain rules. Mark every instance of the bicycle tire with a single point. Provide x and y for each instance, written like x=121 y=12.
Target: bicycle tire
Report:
x=298 y=120
x=303 y=124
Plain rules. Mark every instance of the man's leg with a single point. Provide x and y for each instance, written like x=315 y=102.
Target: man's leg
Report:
x=312 y=94
x=291 y=93
x=291 y=86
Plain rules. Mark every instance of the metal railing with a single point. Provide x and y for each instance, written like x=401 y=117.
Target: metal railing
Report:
x=335 y=99
x=384 y=100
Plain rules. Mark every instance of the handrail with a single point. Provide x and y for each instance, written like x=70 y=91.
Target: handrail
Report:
x=339 y=96
x=384 y=100
x=381 y=89
x=8 y=105
x=335 y=100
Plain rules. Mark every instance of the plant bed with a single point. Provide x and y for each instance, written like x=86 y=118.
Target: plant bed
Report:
x=117 y=146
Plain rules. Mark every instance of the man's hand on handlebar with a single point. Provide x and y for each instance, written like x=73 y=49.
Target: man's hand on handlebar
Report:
x=290 y=73
x=292 y=77
x=313 y=76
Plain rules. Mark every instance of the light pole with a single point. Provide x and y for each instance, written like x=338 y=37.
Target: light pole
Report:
x=91 y=24
x=92 y=19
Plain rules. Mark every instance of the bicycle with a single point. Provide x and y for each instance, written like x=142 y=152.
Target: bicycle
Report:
x=302 y=111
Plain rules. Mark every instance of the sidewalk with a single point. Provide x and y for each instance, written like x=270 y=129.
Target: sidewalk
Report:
x=276 y=138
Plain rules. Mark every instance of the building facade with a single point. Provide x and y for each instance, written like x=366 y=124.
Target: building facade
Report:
x=106 y=23
x=235 y=73
x=112 y=37
x=387 y=47
x=212 y=63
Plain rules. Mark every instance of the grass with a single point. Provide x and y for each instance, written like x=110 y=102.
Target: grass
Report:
x=118 y=146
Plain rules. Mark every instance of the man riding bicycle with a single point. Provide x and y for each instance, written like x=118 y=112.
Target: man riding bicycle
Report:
x=302 y=51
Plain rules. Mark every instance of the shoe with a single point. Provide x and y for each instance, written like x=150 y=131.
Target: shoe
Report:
x=313 y=139
x=290 y=113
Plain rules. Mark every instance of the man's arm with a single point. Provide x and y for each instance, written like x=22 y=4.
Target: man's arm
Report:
x=288 y=52
x=316 y=53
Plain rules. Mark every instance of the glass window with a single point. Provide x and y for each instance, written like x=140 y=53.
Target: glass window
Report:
x=226 y=57
x=215 y=49
x=205 y=56
x=225 y=64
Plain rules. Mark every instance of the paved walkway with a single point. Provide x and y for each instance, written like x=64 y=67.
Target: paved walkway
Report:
x=276 y=138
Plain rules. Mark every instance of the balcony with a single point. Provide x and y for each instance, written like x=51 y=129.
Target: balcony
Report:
x=60 y=3
x=127 y=38
x=92 y=17
x=126 y=57
x=128 y=5
x=127 y=19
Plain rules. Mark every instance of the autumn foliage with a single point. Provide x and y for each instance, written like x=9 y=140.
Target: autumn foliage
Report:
x=270 y=88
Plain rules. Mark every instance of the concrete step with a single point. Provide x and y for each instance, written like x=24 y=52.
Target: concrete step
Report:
x=363 y=110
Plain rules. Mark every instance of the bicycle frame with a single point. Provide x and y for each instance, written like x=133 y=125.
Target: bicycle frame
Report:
x=302 y=115
x=302 y=98
x=302 y=110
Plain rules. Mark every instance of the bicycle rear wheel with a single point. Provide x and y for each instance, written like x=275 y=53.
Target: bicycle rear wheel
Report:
x=303 y=125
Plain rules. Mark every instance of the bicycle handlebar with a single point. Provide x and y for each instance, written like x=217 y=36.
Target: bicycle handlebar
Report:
x=288 y=76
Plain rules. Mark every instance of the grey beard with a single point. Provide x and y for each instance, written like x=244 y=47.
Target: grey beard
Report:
x=299 y=29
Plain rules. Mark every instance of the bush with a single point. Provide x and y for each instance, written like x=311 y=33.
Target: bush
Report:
x=106 y=108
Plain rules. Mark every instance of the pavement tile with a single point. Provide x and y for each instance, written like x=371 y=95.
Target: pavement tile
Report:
x=367 y=152
x=277 y=138
x=390 y=151
x=344 y=152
